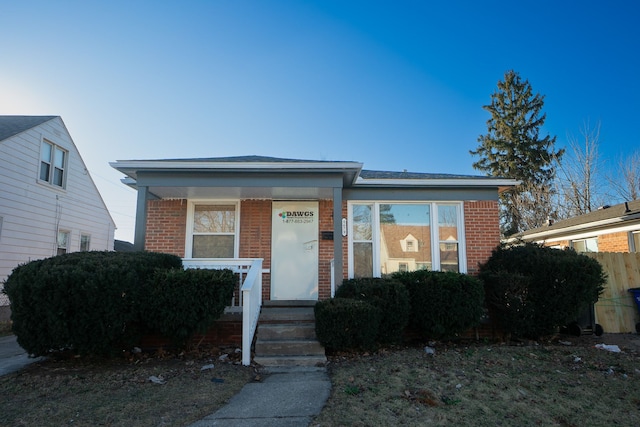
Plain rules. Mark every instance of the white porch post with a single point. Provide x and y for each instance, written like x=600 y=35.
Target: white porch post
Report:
x=337 y=236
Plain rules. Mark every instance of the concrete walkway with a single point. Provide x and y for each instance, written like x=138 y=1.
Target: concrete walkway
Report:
x=287 y=397
x=12 y=356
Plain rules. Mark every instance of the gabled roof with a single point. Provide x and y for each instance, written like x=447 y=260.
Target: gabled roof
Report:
x=606 y=217
x=13 y=125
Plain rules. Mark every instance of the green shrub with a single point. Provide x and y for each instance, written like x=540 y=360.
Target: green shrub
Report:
x=346 y=324
x=389 y=296
x=532 y=290
x=443 y=304
x=179 y=303
x=85 y=301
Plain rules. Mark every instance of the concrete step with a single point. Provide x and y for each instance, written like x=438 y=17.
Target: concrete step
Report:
x=286 y=314
x=280 y=361
x=288 y=347
x=286 y=331
x=289 y=303
x=286 y=335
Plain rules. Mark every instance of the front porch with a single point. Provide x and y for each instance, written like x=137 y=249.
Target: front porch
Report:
x=248 y=301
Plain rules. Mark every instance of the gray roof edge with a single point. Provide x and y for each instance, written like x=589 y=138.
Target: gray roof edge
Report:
x=595 y=219
x=13 y=125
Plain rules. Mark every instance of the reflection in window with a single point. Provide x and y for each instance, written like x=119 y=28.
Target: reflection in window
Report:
x=213 y=232
x=405 y=237
x=362 y=233
x=448 y=237
x=391 y=237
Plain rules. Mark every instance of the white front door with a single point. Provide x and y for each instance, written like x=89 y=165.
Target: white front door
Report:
x=294 y=250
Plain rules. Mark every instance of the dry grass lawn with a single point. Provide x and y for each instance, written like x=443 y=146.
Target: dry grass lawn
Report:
x=487 y=385
x=91 y=392
x=461 y=384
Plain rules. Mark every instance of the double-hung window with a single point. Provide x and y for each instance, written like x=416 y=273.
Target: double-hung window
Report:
x=212 y=230
x=85 y=242
x=53 y=164
x=388 y=237
x=62 y=242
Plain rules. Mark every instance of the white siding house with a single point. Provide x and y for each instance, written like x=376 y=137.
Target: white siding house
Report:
x=48 y=202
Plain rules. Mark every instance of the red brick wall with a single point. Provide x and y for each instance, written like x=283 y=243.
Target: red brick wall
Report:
x=166 y=226
x=482 y=232
x=255 y=236
x=167 y=219
x=226 y=331
x=614 y=242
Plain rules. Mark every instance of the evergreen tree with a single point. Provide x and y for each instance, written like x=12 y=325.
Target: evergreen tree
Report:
x=513 y=148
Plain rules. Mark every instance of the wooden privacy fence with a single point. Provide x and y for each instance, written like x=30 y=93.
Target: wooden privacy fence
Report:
x=616 y=310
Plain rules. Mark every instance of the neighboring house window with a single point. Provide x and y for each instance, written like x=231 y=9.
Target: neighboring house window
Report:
x=213 y=230
x=585 y=245
x=53 y=163
x=410 y=244
x=85 y=242
x=390 y=237
x=63 y=242
x=635 y=241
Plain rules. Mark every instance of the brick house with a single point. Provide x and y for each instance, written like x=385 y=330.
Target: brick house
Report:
x=608 y=229
x=310 y=224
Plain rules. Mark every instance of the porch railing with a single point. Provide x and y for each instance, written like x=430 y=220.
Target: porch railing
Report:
x=249 y=293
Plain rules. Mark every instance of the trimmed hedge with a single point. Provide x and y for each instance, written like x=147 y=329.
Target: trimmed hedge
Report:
x=347 y=324
x=533 y=290
x=443 y=304
x=389 y=296
x=89 y=302
x=179 y=303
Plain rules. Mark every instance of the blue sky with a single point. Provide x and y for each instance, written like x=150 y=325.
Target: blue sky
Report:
x=393 y=84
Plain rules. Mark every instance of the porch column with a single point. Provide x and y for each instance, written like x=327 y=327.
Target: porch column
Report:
x=337 y=236
x=141 y=219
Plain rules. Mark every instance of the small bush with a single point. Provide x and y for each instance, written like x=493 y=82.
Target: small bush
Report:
x=85 y=301
x=179 y=303
x=389 y=296
x=347 y=324
x=443 y=304
x=533 y=290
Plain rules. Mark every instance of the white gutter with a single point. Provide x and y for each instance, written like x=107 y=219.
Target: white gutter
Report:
x=153 y=164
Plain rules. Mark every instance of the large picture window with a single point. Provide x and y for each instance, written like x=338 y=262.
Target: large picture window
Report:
x=388 y=237
x=213 y=230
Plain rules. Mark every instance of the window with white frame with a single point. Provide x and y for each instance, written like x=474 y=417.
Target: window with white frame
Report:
x=389 y=237
x=62 y=242
x=212 y=230
x=85 y=242
x=53 y=164
x=585 y=245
